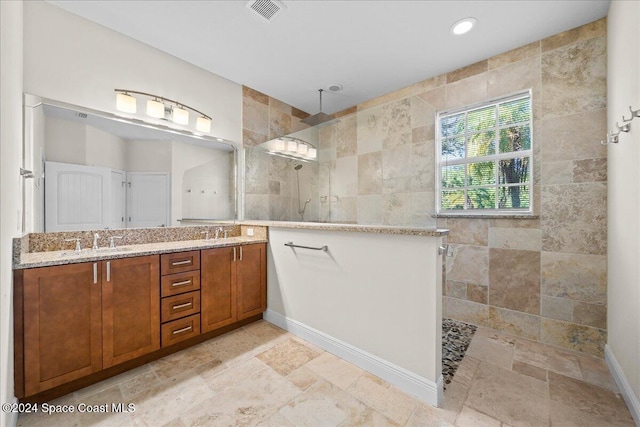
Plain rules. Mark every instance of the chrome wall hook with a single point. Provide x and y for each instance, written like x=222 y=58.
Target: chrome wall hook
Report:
x=612 y=138
x=624 y=128
x=633 y=114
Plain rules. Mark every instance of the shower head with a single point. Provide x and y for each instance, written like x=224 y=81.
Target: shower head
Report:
x=298 y=167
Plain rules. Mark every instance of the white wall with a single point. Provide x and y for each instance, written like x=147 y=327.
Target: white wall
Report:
x=199 y=168
x=379 y=293
x=623 y=84
x=148 y=156
x=70 y=59
x=65 y=141
x=11 y=13
x=104 y=149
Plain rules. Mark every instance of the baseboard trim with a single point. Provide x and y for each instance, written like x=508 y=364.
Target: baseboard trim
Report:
x=407 y=381
x=623 y=384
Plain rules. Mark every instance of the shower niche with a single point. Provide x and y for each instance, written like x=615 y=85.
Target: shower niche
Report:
x=375 y=166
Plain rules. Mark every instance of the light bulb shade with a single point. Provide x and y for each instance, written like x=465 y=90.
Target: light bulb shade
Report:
x=280 y=145
x=203 y=124
x=180 y=116
x=313 y=153
x=125 y=103
x=155 y=108
x=292 y=146
x=302 y=149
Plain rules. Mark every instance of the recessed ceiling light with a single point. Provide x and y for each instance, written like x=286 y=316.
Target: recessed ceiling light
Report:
x=463 y=26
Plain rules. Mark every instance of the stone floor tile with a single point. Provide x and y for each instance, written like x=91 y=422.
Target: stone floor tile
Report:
x=595 y=371
x=589 y=398
x=382 y=397
x=139 y=384
x=529 y=370
x=303 y=378
x=169 y=399
x=177 y=422
x=566 y=416
x=471 y=418
x=427 y=416
x=335 y=370
x=41 y=419
x=251 y=400
x=453 y=400
x=275 y=420
x=94 y=407
x=510 y=397
x=466 y=370
x=493 y=347
x=219 y=381
x=548 y=357
x=288 y=356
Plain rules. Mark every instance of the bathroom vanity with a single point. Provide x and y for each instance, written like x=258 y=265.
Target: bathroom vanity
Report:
x=82 y=317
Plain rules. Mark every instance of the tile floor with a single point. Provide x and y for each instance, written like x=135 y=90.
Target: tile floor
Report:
x=261 y=375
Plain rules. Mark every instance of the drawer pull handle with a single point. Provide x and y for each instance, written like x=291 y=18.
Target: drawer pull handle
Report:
x=179 y=331
x=186 y=304
x=184 y=282
x=174 y=263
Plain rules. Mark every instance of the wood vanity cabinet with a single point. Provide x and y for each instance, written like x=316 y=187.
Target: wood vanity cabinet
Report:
x=130 y=308
x=233 y=284
x=62 y=314
x=78 y=319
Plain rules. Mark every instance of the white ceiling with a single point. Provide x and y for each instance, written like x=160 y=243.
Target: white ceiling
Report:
x=370 y=47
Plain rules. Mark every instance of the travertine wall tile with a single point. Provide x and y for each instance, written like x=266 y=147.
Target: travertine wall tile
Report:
x=515 y=55
x=466 y=311
x=573 y=137
x=395 y=161
x=578 y=277
x=468 y=71
x=370 y=209
x=590 y=170
x=514 y=280
x=346 y=137
x=422 y=206
x=477 y=293
x=469 y=264
x=556 y=308
x=260 y=97
x=515 y=322
x=255 y=116
x=575 y=218
x=590 y=314
x=396 y=124
x=370 y=173
x=279 y=123
x=514 y=77
x=556 y=172
x=421 y=167
x=466 y=231
x=251 y=139
x=466 y=92
x=574 y=337
x=275 y=104
x=370 y=130
x=570 y=85
x=593 y=29
x=456 y=289
x=397 y=209
x=528 y=239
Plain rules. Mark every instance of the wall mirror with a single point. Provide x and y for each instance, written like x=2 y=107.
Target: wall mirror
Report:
x=86 y=169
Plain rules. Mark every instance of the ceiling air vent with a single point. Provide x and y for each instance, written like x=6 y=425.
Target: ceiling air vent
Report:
x=267 y=10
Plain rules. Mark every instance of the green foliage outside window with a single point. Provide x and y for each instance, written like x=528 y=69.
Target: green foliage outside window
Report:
x=485 y=158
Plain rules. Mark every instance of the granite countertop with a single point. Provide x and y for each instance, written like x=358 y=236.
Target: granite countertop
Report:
x=50 y=258
x=379 y=229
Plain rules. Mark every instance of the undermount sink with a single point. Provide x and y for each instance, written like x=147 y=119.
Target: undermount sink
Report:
x=116 y=249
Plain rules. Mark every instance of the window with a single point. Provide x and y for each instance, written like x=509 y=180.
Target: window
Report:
x=485 y=155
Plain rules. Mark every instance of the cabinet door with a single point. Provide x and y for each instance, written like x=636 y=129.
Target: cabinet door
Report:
x=130 y=308
x=62 y=319
x=217 y=288
x=252 y=280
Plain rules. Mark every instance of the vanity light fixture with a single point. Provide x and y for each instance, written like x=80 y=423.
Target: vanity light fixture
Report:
x=155 y=108
x=125 y=102
x=179 y=115
x=280 y=144
x=292 y=146
x=463 y=26
x=303 y=148
x=162 y=108
x=313 y=152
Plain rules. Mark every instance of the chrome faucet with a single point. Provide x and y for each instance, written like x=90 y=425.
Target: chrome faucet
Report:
x=112 y=242
x=95 y=241
x=206 y=234
x=217 y=235
x=77 y=240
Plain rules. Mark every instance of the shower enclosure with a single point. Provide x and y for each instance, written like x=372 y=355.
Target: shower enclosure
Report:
x=375 y=166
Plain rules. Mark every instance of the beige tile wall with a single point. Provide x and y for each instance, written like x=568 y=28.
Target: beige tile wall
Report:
x=541 y=278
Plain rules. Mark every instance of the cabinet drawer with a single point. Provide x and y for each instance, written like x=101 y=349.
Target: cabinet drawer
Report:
x=180 y=330
x=179 y=262
x=179 y=306
x=180 y=283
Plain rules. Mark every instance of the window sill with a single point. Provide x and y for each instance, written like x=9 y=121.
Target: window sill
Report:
x=486 y=216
